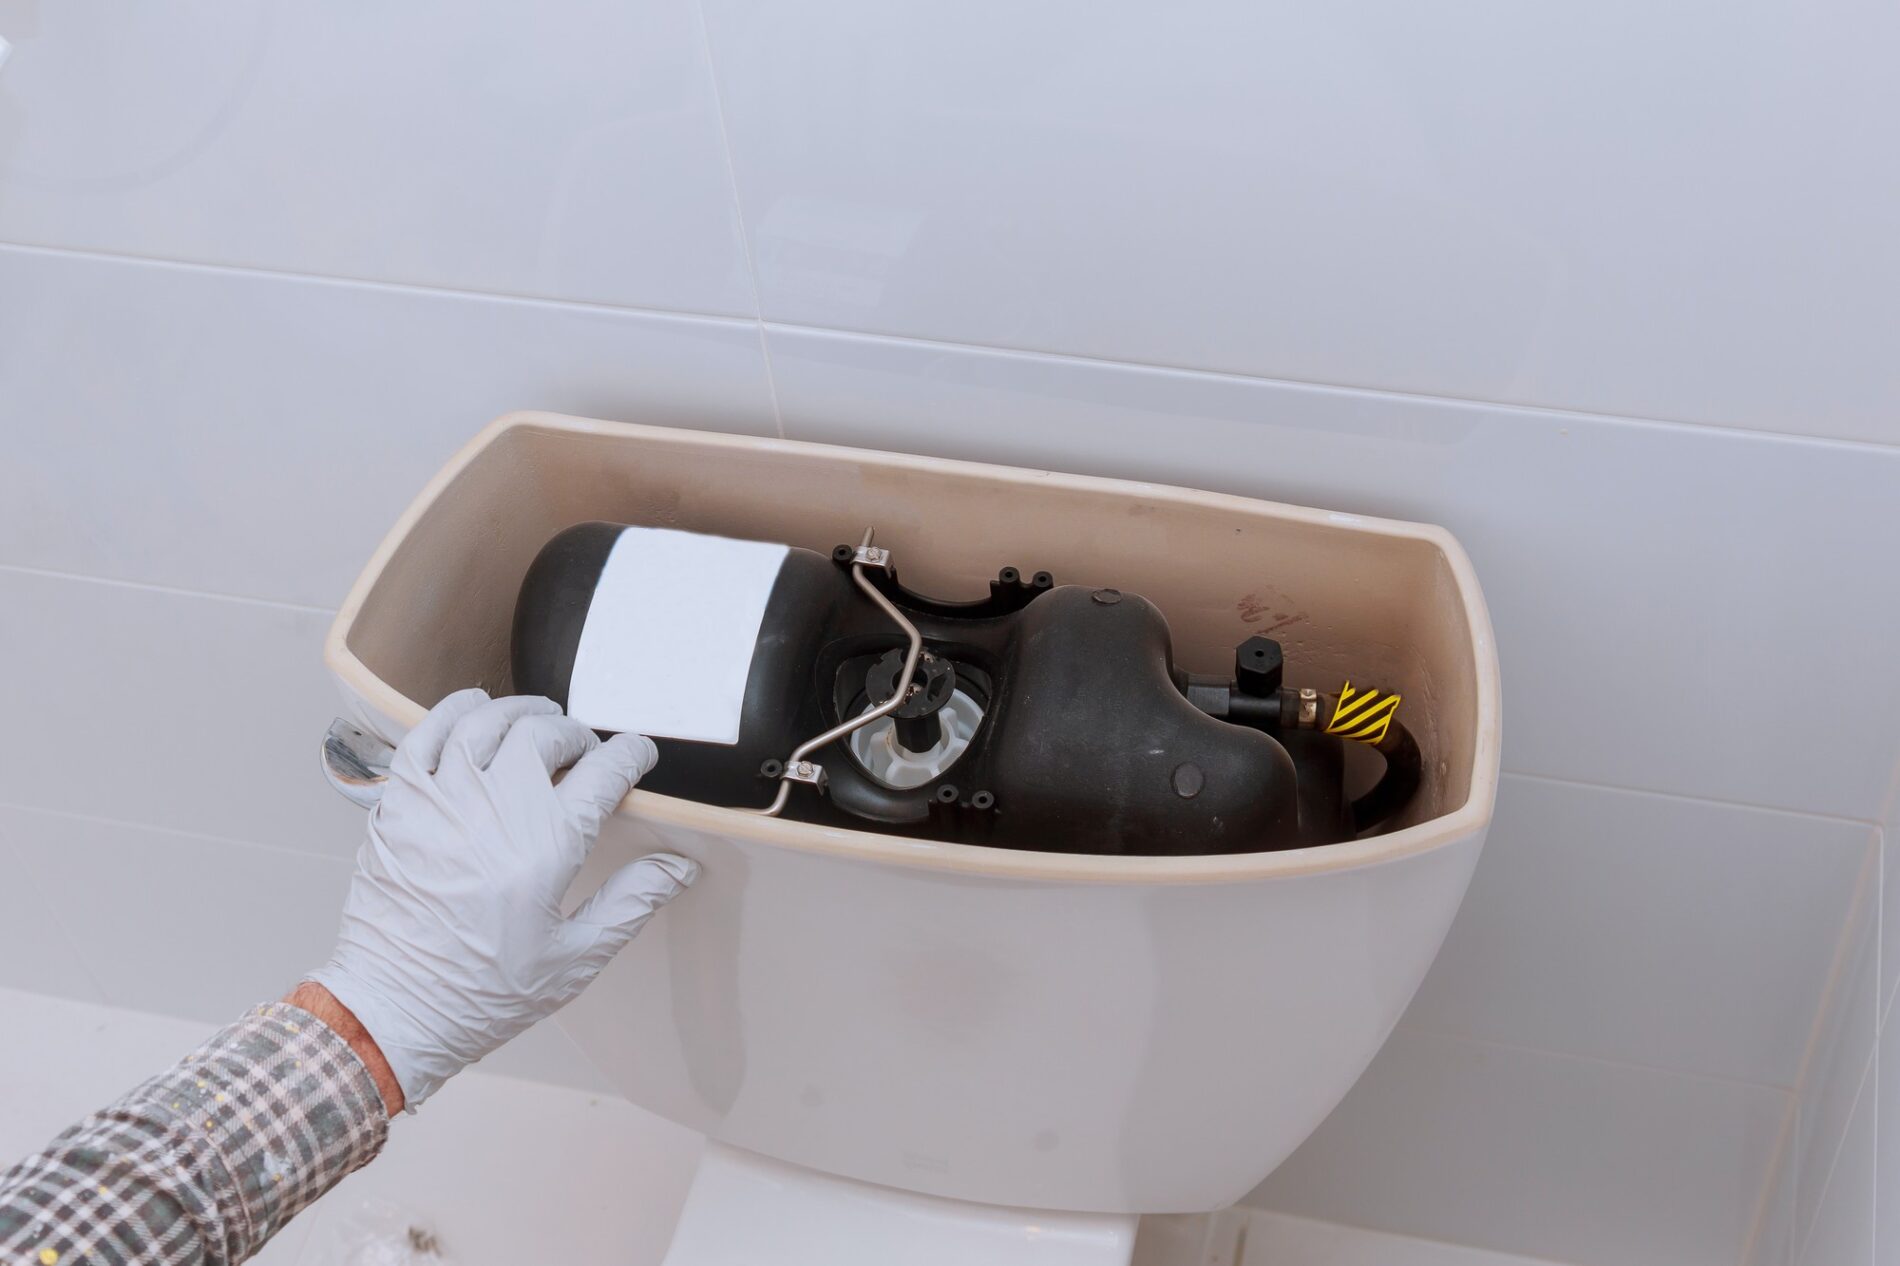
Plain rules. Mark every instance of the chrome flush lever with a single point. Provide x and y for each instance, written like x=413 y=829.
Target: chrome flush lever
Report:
x=356 y=763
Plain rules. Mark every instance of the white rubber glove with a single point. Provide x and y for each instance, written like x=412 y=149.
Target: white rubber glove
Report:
x=453 y=940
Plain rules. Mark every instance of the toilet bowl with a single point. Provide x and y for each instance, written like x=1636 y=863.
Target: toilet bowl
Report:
x=978 y=1054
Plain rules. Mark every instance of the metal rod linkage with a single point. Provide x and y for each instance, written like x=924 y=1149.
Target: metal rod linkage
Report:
x=840 y=730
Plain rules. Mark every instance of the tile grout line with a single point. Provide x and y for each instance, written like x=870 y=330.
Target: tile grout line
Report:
x=234 y=841
x=1869 y=1075
x=1782 y=1158
x=1685 y=797
x=764 y=325
x=375 y=284
x=738 y=210
x=177 y=591
x=1330 y=388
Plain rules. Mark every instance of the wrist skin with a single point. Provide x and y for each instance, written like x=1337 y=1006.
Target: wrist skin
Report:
x=322 y=1004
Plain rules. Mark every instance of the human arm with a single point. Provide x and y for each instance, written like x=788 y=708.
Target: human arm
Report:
x=453 y=940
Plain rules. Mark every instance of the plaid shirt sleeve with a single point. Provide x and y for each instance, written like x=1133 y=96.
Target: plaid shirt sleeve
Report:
x=205 y=1162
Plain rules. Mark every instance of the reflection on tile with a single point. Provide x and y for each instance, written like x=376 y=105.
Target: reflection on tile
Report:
x=1522 y=1152
x=1890 y=908
x=256 y=436
x=1682 y=934
x=499 y=145
x=1843 y=1229
x=1844 y=1045
x=1604 y=590
x=1887 y=1149
x=1773 y=1236
x=1331 y=193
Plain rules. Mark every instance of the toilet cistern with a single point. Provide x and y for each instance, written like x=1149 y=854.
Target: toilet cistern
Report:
x=896 y=1027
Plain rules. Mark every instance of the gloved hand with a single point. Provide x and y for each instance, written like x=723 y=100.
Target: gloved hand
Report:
x=453 y=940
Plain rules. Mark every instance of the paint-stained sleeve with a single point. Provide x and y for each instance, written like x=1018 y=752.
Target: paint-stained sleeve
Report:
x=205 y=1162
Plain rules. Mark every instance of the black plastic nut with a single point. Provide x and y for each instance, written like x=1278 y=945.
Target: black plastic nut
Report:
x=843 y=554
x=1258 y=666
x=982 y=800
x=772 y=768
x=947 y=794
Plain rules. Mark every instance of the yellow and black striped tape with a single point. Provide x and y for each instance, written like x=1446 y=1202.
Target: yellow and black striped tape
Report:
x=1362 y=716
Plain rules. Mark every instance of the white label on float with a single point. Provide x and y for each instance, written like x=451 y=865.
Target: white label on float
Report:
x=668 y=641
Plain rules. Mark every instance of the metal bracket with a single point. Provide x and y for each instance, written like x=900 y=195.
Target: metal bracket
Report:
x=808 y=772
x=799 y=769
x=1309 y=707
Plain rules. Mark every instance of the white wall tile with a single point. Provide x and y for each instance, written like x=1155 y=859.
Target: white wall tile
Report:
x=570 y=151
x=1656 y=212
x=171 y=710
x=1843 y=1049
x=187 y=926
x=1579 y=1161
x=1677 y=933
x=257 y=435
x=1653 y=587
x=181 y=925
x=1843 y=1230
x=37 y=919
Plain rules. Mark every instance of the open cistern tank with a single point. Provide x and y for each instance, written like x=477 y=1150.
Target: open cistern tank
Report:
x=1070 y=845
